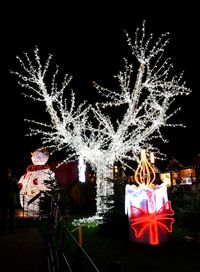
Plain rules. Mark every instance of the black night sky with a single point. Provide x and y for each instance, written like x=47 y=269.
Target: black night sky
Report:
x=88 y=42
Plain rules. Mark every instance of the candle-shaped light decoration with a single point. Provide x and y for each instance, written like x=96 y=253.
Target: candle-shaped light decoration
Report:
x=149 y=211
x=145 y=173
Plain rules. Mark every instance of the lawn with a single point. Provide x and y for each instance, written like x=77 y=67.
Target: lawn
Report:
x=111 y=249
x=115 y=252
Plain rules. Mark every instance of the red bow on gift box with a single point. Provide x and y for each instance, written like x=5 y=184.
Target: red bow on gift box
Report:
x=142 y=220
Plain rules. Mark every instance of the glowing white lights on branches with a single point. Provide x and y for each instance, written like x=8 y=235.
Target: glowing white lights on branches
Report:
x=81 y=169
x=144 y=101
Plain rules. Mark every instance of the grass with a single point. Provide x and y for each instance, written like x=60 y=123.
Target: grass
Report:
x=113 y=251
x=109 y=250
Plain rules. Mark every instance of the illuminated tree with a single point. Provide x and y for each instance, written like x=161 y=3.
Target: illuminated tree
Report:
x=144 y=101
x=69 y=128
x=145 y=98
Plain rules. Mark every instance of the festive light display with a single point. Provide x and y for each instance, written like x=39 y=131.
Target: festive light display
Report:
x=31 y=184
x=144 y=102
x=144 y=174
x=149 y=210
x=166 y=178
x=81 y=169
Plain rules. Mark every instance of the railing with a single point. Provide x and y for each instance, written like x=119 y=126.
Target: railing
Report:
x=65 y=252
x=27 y=212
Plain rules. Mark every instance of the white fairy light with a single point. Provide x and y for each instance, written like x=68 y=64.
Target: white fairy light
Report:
x=146 y=98
x=32 y=183
x=81 y=169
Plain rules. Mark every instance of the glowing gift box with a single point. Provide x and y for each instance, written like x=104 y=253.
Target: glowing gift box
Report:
x=149 y=211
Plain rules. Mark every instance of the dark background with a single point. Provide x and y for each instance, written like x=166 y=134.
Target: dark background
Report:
x=88 y=42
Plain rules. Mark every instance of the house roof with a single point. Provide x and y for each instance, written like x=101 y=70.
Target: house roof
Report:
x=196 y=161
x=174 y=165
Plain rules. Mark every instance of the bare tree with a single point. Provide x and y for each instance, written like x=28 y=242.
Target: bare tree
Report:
x=145 y=100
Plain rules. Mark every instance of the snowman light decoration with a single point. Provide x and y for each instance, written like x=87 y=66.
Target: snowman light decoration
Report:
x=32 y=183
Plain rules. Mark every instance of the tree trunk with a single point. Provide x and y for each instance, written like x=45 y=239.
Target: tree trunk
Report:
x=104 y=189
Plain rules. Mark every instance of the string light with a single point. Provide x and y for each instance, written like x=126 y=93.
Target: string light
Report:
x=144 y=174
x=32 y=183
x=145 y=101
x=150 y=213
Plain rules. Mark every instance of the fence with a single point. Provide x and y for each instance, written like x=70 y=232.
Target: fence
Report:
x=27 y=211
x=65 y=252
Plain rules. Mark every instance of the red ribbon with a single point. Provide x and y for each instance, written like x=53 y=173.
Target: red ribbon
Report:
x=142 y=221
x=36 y=167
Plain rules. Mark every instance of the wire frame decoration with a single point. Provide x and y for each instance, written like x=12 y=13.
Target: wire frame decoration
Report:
x=32 y=183
x=149 y=211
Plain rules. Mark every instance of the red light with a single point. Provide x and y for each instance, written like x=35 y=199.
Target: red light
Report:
x=143 y=222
